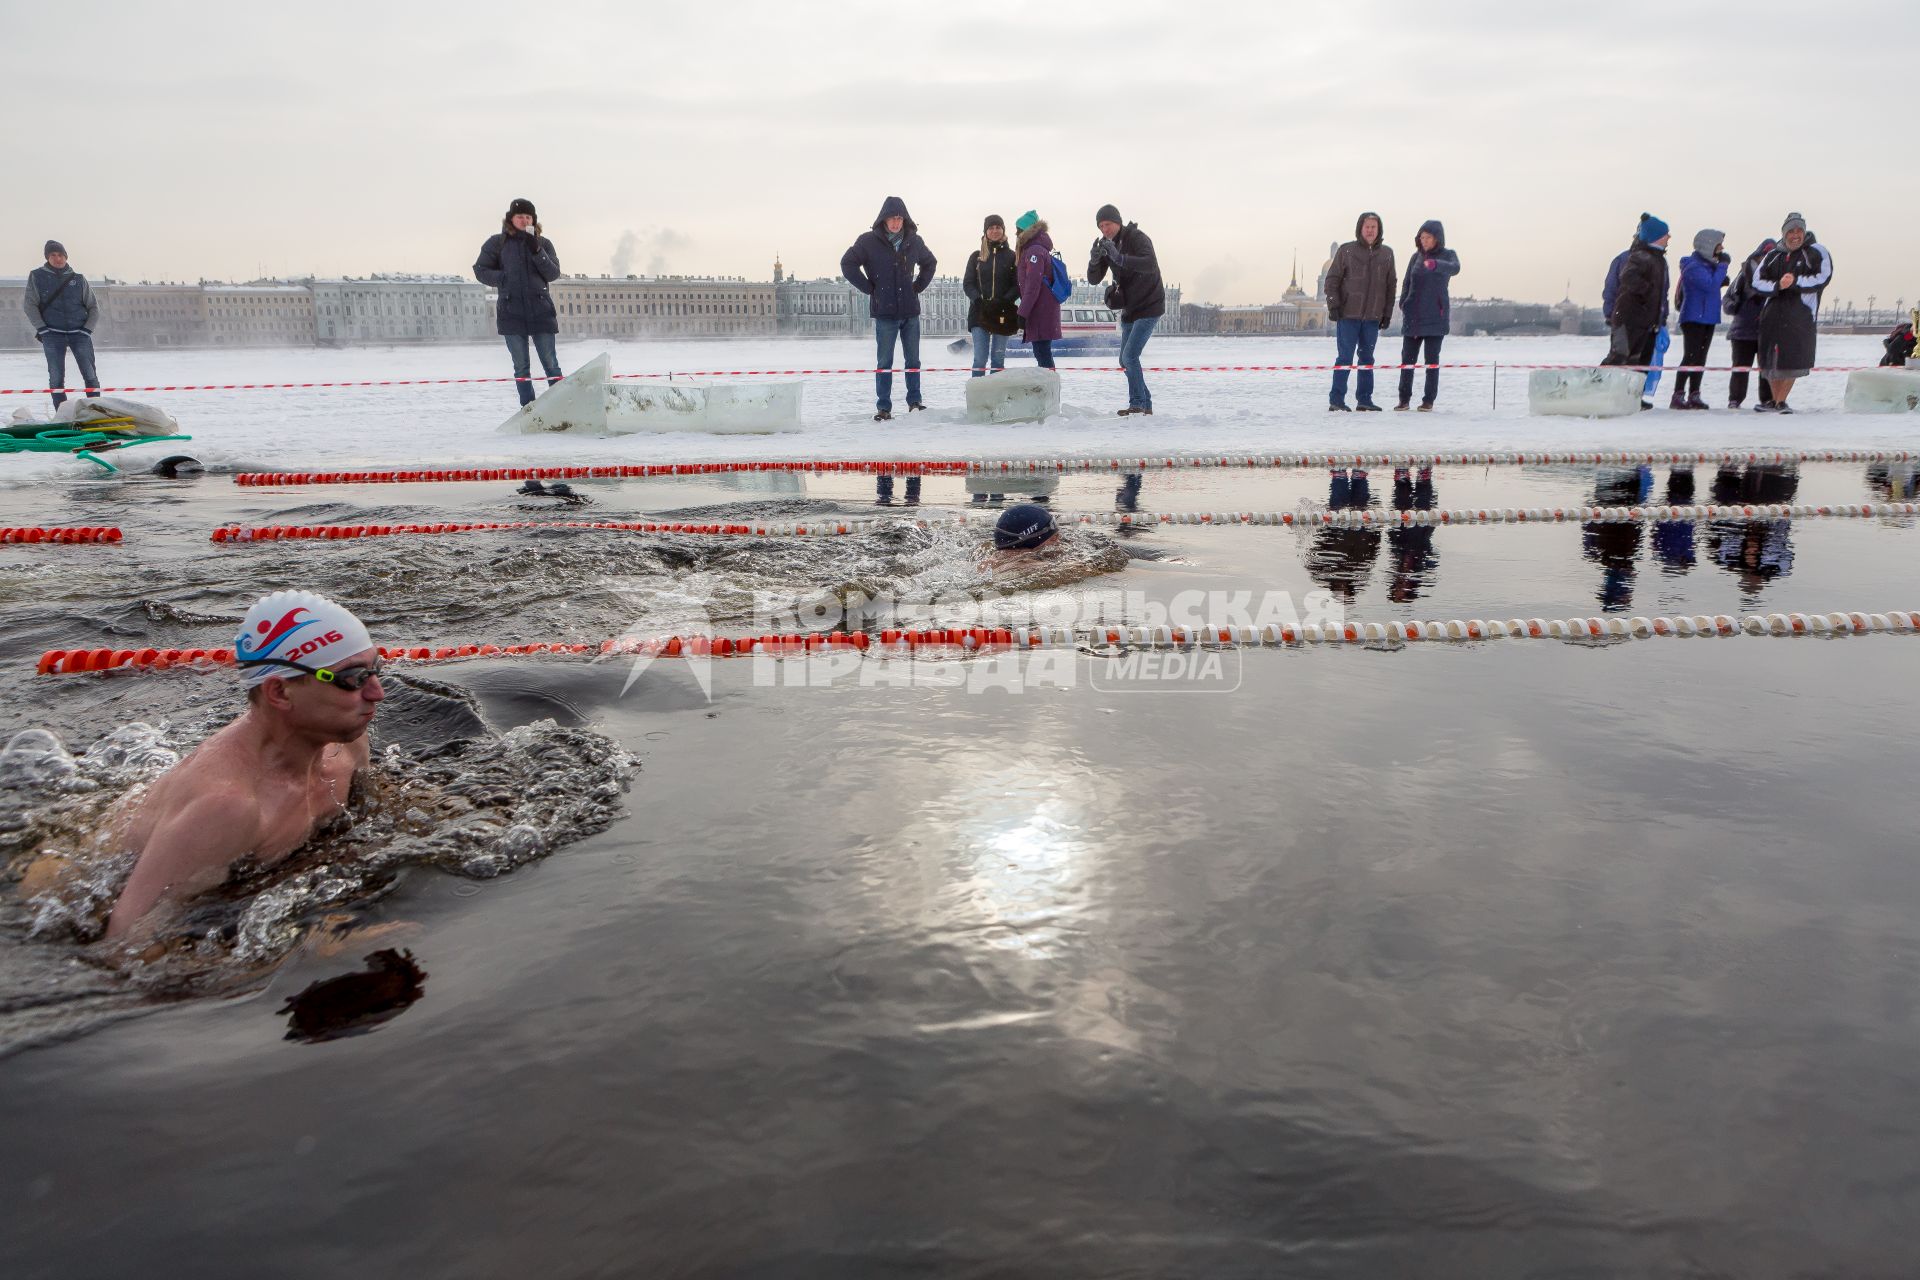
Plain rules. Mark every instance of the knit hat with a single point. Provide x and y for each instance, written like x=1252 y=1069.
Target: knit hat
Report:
x=1025 y=220
x=1651 y=229
x=520 y=206
x=1108 y=214
x=1793 y=220
x=994 y=220
x=53 y=247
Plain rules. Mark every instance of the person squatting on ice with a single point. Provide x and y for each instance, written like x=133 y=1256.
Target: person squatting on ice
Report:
x=1039 y=309
x=1636 y=297
x=892 y=265
x=993 y=296
x=1360 y=291
x=1703 y=274
x=1425 y=310
x=1137 y=293
x=1791 y=277
x=63 y=311
x=521 y=263
x=1743 y=306
x=266 y=782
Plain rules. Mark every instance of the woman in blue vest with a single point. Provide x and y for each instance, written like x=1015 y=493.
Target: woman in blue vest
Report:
x=1426 y=311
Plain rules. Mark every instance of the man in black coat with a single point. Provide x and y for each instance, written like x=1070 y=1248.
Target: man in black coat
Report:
x=1125 y=250
x=1635 y=319
x=891 y=264
x=520 y=263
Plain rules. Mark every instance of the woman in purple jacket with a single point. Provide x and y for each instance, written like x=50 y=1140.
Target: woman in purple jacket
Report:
x=1744 y=306
x=1703 y=274
x=1039 y=309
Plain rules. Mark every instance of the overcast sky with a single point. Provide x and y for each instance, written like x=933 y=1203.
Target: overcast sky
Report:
x=227 y=140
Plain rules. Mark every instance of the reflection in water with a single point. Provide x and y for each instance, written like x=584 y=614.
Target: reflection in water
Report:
x=1127 y=497
x=1411 y=546
x=1754 y=551
x=1894 y=481
x=983 y=489
x=1673 y=539
x=355 y=1003
x=1616 y=547
x=883 y=491
x=1341 y=559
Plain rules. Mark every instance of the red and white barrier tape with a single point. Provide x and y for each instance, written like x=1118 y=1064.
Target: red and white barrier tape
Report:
x=1323 y=518
x=1901 y=622
x=1098 y=367
x=91 y=533
x=1075 y=465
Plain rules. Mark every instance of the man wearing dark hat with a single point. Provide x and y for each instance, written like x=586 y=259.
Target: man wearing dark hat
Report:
x=520 y=263
x=1138 y=294
x=60 y=304
x=1025 y=526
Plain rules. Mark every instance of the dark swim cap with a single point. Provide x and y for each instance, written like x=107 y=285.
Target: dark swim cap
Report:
x=1023 y=527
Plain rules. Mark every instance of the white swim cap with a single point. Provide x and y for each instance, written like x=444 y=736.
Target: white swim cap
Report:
x=295 y=626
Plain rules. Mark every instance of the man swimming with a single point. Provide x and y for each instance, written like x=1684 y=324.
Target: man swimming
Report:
x=1025 y=526
x=267 y=781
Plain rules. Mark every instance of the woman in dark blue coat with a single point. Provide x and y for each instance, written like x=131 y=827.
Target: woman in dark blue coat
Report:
x=1426 y=310
x=1743 y=306
x=520 y=263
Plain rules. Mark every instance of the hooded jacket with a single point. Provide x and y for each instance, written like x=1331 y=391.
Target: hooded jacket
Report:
x=1811 y=267
x=990 y=277
x=520 y=264
x=1143 y=294
x=1360 y=283
x=1742 y=303
x=1426 y=310
x=1703 y=274
x=1641 y=304
x=1039 y=309
x=61 y=301
x=892 y=277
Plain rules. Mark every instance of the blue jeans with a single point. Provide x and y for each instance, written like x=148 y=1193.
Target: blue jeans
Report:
x=1042 y=352
x=1348 y=335
x=884 y=334
x=985 y=345
x=1133 y=339
x=543 y=343
x=56 y=345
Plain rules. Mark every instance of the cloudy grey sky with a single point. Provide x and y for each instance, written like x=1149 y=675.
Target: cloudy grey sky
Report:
x=223 y=139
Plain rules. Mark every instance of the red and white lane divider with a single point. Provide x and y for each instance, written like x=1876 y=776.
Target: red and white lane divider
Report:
x=1077 y=465
x=1360 y=519
x=1900 y=622
x=91 y=533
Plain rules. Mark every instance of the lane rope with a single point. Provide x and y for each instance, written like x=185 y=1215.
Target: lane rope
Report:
x=88 y=533
x=1453 y=630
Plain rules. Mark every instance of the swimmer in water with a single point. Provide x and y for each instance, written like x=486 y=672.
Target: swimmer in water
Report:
x=267 y=781
x=1026 y=526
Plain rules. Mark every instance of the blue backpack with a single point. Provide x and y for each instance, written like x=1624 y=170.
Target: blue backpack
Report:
x=1058 y=281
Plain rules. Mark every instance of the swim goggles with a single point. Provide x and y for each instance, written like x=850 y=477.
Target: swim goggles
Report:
x=351 y=679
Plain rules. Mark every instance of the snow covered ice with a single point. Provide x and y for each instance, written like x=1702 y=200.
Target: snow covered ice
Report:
x=1883 y=391
x=1585 y=393
x=1015 y=395
x=589 y=402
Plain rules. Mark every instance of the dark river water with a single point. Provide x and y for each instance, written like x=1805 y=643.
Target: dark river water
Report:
x=1515 y=958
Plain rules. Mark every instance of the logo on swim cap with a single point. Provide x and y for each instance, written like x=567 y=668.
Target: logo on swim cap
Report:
x=1023 y=527
x=271 y=633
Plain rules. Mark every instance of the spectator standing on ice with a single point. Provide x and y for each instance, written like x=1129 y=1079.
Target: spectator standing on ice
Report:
x=1792 y=277
x=1360 y=290
x=891 y=264
x=1039 y=309
x=1425 y=311
x=993 y=296
x=520 y=263
x=1703 y=274
x=62 y=309
x=1137 y=293
x=1640 y=303
x=1743 y=306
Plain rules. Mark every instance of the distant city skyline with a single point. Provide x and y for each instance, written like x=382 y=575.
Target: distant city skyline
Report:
x=706 y=141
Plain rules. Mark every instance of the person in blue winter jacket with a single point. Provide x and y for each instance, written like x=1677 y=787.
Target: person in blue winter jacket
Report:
x=892 y=265
x=1703 y=274
x=1425 y=310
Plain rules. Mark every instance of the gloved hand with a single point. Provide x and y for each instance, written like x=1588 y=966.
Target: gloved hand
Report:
x=1111 y=249
x=40 y=335
x=1720 y=256
x=1099 y=248
x=1429 y=264
x=1334 y=317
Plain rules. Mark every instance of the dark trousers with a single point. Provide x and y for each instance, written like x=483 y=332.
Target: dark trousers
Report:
x=1632 y=347
x=56 y=346
x=1043 y=352
x=1410 y=354
x=522 y=364
x=1697 y=340
x=1744 y=351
